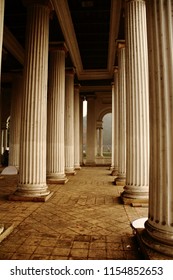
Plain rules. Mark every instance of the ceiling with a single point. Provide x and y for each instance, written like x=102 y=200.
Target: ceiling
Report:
x=90 y=30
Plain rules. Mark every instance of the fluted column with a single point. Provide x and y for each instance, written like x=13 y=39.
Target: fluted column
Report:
x=137 y=168
x=91 y=131
x=121 y=176
x=81 y=130
x=116 y=116
x=76 y=128
x=1 y=40
x=113 y=129
x=159 y=226
x=69 y=122
x=32 y=173
x=100 y=138
x=15 y=120
x=55 y=116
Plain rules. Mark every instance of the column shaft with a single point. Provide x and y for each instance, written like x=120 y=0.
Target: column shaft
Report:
x=15 y=120
x=32 y=179
x=76 y=128
x=159 y=227
x=113 y=129
x=81 y=130
x=69 y=122
x=91 y=132
x=121 y=176
x=137 y=175
x=1 y=40
x=55 y=118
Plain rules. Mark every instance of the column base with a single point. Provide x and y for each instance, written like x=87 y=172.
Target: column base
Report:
x=120 y=181
x=158 y=239
x=43 y=198
x=53 y=179
x=70 y=172
x=135 y=195
x=31 y=192
x=155 y=246
x=77 y=167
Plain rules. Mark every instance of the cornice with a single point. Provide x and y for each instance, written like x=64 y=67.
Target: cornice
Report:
x=13 y=46
x=64 y=16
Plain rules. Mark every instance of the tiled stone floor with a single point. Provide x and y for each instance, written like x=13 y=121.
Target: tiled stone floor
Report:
x=84 y=219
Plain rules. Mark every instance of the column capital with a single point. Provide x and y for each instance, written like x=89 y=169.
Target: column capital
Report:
x=58 y=46
x=29 y=3
x=70 y=71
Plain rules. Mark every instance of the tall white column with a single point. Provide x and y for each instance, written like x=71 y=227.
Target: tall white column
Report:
x=69 y=122
x=81 y=130
x=137 y=168
x=1 y=28
x=116 y=115
x=32 y=172
x=55 y=116
x=91 y=131
x=159 y=226
x=113 y=130
x=121 y=176
x=15 y=120
x=77 y=127
x=1 y=40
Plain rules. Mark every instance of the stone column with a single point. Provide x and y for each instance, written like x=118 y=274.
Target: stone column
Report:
x=32 y=173
x=81 y=130
x=55 y=116
x=1 y=40
x=76 y=128
x=15 y=120
x=137 y=165
x=1 y=28
x=116 y=115
x=159 y=226
x=69 y=122
x=100 y=138
x=101 y=141
x=121 y=176
x=91 y=131
x=113 y=129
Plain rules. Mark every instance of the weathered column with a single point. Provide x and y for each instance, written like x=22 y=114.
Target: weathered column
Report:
x=15 y=120
x=100 y=138
x=55 y=116
x=113 y=129
x=159 y=226
x=69 y=122
x=32 y=173
x=81 y=130
x=121 y=176
x=1 y=39
x=116 y=115
x=76 y=128
x=91 y=131
x=137 y=165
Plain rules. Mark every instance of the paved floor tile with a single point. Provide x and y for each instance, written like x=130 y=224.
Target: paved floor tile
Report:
x=84 y=219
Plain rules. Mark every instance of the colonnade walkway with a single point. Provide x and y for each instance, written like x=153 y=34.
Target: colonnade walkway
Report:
x=84 y=219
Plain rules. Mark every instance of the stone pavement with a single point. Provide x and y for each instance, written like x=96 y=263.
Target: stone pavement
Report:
x=84 y=219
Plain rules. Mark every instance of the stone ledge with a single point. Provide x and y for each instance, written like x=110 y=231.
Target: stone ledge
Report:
x=44 y=198
x=7 y=230
x=148 y=253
